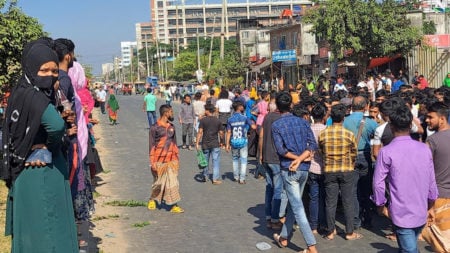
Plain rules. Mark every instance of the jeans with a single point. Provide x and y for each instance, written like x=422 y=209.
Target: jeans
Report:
x=334 y=182
x=187 y=130
x=294 y=183
x=407 y=239
x=362 y=189
x=151 y=117
x=316 y=200
x=215 y=153
x=239 y=154
x=276 y=199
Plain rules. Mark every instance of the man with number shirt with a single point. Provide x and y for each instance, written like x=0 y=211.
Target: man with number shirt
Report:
x=237 y=127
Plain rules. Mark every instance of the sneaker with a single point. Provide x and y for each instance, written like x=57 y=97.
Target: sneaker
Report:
x=176 y=209
x=183 y=147
x=151 y=205
x=216 y=182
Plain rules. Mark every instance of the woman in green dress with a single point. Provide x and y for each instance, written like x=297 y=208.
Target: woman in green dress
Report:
x=39 y=212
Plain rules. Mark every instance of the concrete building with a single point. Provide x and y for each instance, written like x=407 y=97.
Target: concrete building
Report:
x=107 y=68
x=143 y=34
x=180 y=20
x=127 y=49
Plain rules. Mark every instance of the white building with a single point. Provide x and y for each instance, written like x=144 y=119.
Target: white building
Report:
x=127 y=49
x=181 y=20
x=107 y=68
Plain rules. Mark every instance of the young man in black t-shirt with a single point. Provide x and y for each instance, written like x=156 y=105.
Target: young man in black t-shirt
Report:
x=209 y=131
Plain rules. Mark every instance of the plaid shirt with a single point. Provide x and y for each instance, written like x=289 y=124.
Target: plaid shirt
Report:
x=338 y=146
x=292 y=134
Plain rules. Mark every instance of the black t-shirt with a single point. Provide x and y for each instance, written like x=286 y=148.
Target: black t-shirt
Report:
x=211 y=127
x=269 y=151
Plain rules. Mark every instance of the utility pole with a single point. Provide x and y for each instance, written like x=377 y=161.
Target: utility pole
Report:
x=198 y=51
x=138 y=74
x=146 y=53
x=211 y=45
x=222 y=31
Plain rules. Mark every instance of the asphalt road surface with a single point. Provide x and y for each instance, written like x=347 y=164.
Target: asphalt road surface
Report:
x=218 y=218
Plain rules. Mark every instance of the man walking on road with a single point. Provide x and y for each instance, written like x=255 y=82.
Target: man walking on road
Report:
x=149 y=106
x=164 y=162
x=294 y=142
x=186 y=118
x=209 y=130
x=237 y=142
x=101 y=98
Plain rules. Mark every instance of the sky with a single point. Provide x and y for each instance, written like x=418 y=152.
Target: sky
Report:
x=95 y=26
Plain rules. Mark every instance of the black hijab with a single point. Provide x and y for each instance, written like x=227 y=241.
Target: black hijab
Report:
x=28 y=100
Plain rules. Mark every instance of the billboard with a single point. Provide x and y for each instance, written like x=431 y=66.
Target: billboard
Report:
x=284 y=55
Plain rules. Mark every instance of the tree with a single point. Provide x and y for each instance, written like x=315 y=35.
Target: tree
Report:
x=185 y=66
x=367 y=28
x=16 y=29
x=429 y=27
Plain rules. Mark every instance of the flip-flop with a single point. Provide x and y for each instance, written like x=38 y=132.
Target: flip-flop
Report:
x=356 y=237
x=277 y=239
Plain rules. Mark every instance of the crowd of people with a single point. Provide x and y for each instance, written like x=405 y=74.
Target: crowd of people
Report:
x=49 y=157
x=378 y=145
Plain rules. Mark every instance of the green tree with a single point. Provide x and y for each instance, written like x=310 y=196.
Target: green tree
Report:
x=369 y=28
x=16 y=29
x=185 y=66
x=429 y=27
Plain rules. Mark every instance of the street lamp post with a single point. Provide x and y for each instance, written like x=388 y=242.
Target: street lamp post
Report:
x=211 y=45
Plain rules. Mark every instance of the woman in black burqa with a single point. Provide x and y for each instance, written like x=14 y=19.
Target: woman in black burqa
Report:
x=39 y=206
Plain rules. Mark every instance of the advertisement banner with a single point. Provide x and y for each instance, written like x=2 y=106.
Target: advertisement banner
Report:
x=284 y=55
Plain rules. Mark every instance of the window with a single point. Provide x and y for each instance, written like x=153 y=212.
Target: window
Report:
x=295 y=38
x=245 y=35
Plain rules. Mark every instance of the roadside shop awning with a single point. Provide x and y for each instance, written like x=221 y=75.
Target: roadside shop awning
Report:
x=375 y=62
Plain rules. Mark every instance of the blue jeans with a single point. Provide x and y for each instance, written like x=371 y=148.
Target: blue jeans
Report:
x=362 y=189
x=215 y=153
x=294 y=183
x=407 y=239
x=239 y=154
x=316 y=200
x=276 y=199
x=151 y=117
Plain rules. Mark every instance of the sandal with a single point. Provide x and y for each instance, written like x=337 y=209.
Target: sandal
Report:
x=277 y=239
x=355 y=236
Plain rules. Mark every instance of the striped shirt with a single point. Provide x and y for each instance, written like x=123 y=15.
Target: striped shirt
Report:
x=338 y=147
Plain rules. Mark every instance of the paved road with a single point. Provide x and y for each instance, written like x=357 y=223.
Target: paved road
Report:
x=223 y=218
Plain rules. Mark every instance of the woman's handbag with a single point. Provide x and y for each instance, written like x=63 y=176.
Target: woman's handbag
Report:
x=202 y=163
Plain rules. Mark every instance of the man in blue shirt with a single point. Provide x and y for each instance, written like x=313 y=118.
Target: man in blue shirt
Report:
x=363 y=165
x=237 y=127
x=295 y=143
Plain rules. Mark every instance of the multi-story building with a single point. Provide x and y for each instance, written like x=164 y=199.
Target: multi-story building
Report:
x=181 y=20
x=127 y=50
x=143 y=34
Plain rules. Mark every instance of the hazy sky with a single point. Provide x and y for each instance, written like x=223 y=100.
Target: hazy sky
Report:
x=95 y=26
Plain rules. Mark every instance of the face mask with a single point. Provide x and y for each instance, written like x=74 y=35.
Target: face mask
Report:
x=45 y=82
x=170 y=118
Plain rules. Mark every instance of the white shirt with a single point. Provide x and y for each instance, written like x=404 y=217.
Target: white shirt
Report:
x=101 y=96
x=224 y=105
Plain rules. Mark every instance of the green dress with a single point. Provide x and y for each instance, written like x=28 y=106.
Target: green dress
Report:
x=39 y=213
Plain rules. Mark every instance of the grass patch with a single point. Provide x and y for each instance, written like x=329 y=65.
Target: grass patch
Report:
x=110 y=216
x=5 y=241
x=127 y=203
x=96 y=195
x=141 y=224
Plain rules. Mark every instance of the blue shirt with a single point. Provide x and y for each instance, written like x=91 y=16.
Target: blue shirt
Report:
x=396 y=85
x=292 y=134
x=238 y=124
x=351 y=123
x=248 y=109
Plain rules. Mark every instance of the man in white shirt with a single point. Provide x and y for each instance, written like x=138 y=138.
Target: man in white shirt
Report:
x=101 y=98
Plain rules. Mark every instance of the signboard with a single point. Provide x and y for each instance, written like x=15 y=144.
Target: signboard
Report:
x=284 y=55
x=289 y=63
x=304 y=60
x=439 y=41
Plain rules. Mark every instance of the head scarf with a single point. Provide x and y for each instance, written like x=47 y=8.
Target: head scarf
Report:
x=78 y=79
x=113 y=104
x=28 y=101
